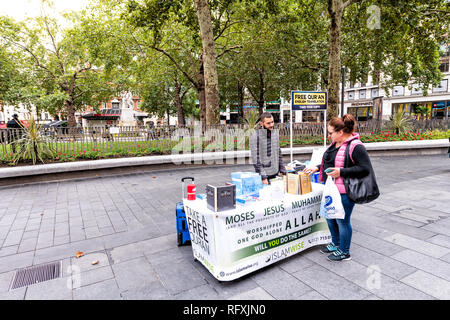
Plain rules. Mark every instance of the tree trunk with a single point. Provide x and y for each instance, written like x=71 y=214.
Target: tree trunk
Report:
x=201 y=96
x=70 y=107
x=261 y=92
x=335 y=9
x=240 y=89
x=209 y=62
x=179 y=104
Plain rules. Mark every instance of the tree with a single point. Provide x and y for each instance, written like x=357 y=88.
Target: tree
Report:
x=161 y=87
x=397 y=39
x=403 y=47
x=336 y=11
x=172 y=28
x=11 y=78
x=283 y=49
x=62 y=74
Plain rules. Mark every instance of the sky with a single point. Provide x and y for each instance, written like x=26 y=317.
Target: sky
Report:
x=21 y=9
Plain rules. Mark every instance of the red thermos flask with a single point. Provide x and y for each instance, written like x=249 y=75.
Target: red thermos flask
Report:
x=191 y=188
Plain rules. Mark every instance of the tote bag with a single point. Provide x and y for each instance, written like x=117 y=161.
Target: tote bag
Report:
x=361 y=190
x=331 y=205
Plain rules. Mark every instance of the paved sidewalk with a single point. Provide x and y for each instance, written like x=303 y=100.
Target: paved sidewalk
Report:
x=400 y=247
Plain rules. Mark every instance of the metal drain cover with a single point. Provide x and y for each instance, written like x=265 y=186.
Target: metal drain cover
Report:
x=36 y=274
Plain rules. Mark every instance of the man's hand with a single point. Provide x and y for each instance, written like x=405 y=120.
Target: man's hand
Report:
x=265 y=181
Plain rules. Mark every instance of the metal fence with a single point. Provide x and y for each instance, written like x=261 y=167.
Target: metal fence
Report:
x=74 y=141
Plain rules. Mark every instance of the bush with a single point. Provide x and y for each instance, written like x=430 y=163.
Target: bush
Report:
x=32 y=145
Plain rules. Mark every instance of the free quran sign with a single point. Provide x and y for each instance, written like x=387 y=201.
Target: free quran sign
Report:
x=309 y=100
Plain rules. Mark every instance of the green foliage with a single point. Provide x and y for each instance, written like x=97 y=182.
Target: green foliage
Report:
x=252 y=120
x=423 y=112
x=404 y=48
x=32 y=145
x=400 y=122
x=59 y=71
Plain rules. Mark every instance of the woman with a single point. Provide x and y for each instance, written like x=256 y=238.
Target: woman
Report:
x=341 y=131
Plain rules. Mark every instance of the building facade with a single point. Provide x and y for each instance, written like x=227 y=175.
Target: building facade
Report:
x=369 y=101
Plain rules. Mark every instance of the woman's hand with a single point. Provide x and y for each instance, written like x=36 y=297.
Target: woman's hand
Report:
x=336 y=173
x=310 y=171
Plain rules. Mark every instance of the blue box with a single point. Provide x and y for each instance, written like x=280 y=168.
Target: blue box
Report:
x=246 y=182
x=315 y=177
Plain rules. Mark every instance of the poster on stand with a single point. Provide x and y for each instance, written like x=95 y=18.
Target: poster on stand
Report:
x=233 y=243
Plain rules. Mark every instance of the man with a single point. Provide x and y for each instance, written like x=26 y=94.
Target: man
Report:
x=14 y=125
x=265 y=150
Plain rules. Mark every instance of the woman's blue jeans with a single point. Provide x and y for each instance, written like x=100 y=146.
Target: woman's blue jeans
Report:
x=341 y=229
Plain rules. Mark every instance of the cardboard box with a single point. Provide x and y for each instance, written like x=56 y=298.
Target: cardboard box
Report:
x=221 y=198
x=305 y=183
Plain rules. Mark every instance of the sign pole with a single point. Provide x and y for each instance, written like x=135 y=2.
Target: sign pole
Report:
x=290 y=125
x=325 y=127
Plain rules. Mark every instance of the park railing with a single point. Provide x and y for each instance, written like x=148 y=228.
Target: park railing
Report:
x=162 y=139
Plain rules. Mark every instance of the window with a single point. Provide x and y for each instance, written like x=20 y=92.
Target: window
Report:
x=287 y=117
x=351 y=95
x=361 y=113
x=416 y=89
x=398 y=91
x=312 y=116
x=442 y=87
x=438 y=110
x=362 y=94
x=445 y=49
x=444 y=67
x=399 y=107
x=375 y=93
x=115 y=105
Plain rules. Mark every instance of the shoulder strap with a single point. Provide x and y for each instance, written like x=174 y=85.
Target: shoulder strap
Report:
x=346 y=158
x=350 y=148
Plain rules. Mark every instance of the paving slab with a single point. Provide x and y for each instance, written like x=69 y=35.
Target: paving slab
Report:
x=425 y=247
x=426 y=263
x=105 y=290
x=330 y=285
x=426 y=282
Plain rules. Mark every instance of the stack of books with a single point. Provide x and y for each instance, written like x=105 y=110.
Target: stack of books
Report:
x=297 y=183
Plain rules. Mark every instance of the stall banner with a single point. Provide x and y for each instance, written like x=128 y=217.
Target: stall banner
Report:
x=233 y=243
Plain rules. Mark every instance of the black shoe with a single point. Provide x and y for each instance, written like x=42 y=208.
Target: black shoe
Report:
x=329 y=248
x=338 y=255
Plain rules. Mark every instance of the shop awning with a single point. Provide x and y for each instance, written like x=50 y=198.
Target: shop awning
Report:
x=105 y=114
x=140 y=114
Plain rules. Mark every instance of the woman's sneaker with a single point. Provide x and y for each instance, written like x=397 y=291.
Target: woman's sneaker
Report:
x=338 y=255
x=330 y=248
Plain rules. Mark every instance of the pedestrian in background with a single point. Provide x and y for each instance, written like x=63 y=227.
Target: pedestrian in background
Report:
x=15 y=128
x=342 y=133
